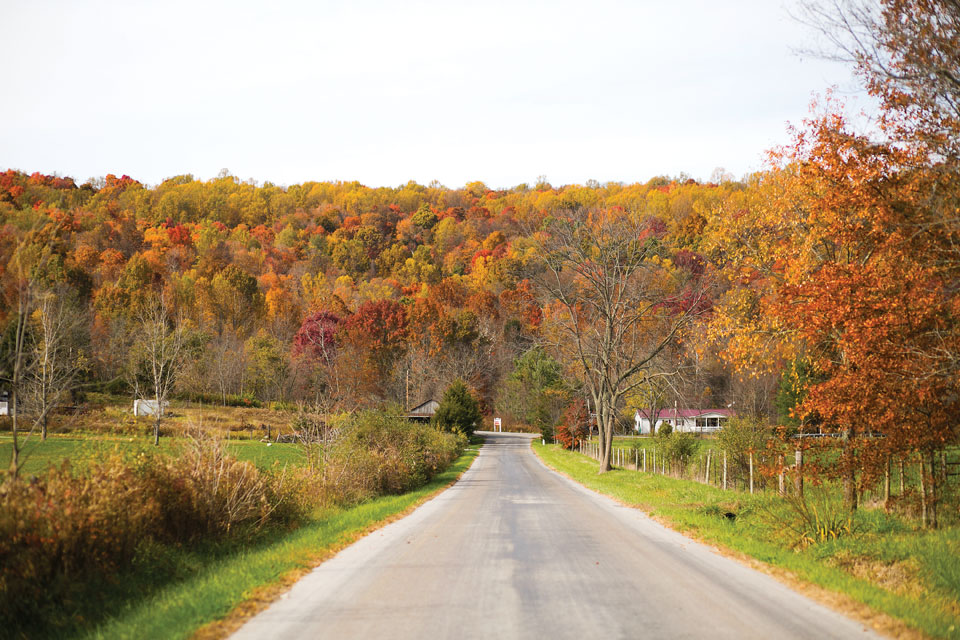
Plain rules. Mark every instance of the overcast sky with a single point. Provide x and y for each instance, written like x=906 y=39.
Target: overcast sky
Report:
x=386 y=92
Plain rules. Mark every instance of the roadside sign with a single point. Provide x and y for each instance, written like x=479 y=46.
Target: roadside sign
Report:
x=497 y=425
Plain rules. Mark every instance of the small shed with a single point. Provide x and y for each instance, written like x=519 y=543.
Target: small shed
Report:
x=423 y=412
x=148 y=407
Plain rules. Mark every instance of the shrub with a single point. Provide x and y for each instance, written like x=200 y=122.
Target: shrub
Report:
x=379 y=453
x=576 y=425
x=70 y=527
x=738 y=438
x=222 y=493
x=678 y=446
x=66 y=527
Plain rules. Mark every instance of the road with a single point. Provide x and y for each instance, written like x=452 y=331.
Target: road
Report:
x=514 y=550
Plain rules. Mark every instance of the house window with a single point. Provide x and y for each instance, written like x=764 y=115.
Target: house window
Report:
x=710 y=423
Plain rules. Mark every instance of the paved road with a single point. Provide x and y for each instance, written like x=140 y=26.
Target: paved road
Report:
x=514 y=550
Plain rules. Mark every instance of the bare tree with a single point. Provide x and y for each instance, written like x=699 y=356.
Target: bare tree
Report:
x=17 y=360
x=156 y=356
x=615 y=302
x=56 y=358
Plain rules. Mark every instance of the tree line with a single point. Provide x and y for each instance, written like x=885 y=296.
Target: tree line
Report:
x=818 y=294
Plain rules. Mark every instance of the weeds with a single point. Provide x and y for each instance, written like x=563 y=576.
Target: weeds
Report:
x=814 y=518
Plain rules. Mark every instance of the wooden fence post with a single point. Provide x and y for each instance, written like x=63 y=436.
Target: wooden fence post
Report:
x=798 y=462
x=706 y=475
x=724 y=469
x=780 y=477
x=644 y=460
x=751 y=473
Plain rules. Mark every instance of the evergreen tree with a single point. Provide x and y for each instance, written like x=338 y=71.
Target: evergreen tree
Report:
x=458 y=411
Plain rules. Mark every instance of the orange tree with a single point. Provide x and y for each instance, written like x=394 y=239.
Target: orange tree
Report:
x=827 y=265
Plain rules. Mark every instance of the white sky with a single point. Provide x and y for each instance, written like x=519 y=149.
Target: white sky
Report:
x=385 y=92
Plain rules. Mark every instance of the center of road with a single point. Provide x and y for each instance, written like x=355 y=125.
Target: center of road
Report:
x=514 y=550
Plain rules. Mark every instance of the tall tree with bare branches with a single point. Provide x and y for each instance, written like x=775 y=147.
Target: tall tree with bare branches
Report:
x=156 y=357
x=616 y=299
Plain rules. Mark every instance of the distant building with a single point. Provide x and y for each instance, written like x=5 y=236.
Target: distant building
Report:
x=688 y=420
x=148 y=407
x=423 y=412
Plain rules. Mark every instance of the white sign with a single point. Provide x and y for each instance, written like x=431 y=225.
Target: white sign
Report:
x=497 y=425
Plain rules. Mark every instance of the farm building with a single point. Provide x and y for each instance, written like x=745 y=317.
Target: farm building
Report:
x=423 y=412
x=689 y=420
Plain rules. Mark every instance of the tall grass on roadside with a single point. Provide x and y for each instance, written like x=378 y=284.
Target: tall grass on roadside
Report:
x=71 y=529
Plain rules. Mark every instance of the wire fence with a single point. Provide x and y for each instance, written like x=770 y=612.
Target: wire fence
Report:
x=710 y=466
x=741 y=471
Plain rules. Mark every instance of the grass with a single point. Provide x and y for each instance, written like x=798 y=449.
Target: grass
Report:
x=37 y=455
x=182 y=590
x=891 y=566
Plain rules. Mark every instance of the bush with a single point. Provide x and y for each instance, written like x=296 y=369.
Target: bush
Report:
x=215 y=399
x=576 y=427
x=382 y=454
x=70 y=528
x=738 y=438
x=678 y=446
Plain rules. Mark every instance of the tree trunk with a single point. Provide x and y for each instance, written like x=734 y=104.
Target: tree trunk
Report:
x=156 y=423
x=886 y=485
x=923 y=493
x=15 y=452
x=900 y=464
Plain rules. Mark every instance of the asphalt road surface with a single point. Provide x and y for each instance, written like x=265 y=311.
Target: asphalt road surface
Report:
x=513 y=550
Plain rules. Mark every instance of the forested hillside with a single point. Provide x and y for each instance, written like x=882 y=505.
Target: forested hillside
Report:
x=321 y=292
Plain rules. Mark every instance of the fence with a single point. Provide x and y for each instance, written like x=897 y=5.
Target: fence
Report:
x=712 y=466
x=741 y=472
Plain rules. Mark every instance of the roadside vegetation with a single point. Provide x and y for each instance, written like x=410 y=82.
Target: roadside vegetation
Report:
x=107 y=518
x=886 y=561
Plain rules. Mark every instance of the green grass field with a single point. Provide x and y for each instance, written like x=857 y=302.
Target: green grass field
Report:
x=889 y=564
x=36 y=455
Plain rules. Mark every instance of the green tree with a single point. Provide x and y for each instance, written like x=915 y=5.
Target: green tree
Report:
x=458 y=411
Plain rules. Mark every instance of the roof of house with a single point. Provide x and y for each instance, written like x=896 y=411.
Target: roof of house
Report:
x=669 y=414
x=425 y=409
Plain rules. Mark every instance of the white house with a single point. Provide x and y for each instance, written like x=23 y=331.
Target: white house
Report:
x=689 y=420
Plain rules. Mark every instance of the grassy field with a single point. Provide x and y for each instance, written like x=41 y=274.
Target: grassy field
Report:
x=37 y=455
x=210 y=588
x=887 y=563
x=104 y=414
